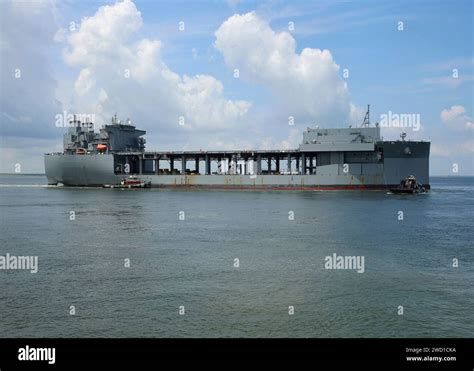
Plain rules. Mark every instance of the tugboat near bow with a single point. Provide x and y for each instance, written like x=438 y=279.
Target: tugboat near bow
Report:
x=409 y=185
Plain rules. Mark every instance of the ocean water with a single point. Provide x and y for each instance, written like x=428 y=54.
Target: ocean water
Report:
x=191 y=263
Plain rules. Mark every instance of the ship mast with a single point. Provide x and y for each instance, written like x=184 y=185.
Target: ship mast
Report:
x=366 y=121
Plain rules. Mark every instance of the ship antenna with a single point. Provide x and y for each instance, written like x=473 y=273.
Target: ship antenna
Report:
x=366 y=121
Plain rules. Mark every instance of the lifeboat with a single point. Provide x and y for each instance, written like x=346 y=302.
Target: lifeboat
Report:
x=81 y=151
x=101 y=147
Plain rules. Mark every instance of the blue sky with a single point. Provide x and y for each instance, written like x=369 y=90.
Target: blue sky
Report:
x=407 y=71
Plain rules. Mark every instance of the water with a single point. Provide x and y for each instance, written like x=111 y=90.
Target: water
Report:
x=190 y=262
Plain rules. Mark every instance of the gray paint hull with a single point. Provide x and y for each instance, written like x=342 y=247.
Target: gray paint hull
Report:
x=98 y=169
x=80 y=170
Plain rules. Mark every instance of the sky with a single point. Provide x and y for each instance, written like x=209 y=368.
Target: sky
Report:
x=237 y=74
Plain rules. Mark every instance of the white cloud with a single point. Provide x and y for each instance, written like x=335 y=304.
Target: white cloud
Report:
x=25 y=152
x=101 y=36
x=233 y=3
x=84 y=82
x=307 y=84
x=449 y=65
x=27 y=103
x=447 y=80
x=60 y=35
x=468 y=147
x=456 y=118
x=453 y=150
x=440 y=150
x=136 y=80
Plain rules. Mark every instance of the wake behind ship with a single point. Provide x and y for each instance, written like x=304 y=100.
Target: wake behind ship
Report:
x=345 y=158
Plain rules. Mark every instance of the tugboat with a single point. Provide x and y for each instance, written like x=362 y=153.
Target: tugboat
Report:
x=409 y=185
x=130 y=182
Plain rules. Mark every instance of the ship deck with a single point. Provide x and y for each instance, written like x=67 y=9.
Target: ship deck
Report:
x=235 y=161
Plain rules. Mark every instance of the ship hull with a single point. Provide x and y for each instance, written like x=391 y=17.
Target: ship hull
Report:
x=98 y=170
x=80 y=170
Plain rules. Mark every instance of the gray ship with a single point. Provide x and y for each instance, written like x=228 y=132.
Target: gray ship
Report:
x=327 y=159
